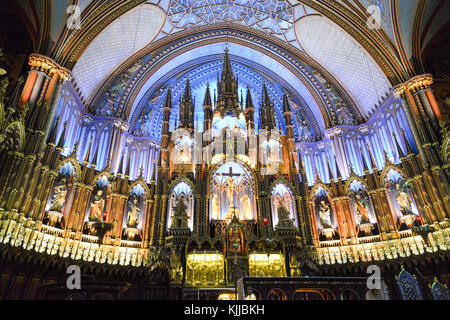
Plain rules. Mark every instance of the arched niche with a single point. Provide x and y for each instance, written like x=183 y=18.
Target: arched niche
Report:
x=282 y=203
x=96 y=211
x=362 y=207
x=327 y=224
x=401 y=201
x=232 y=186
x=182 y=193
x=134 y=213
x=61 y=195
x=409 y=286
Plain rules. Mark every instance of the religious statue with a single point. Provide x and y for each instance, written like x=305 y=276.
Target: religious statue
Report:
x=282 y=212
x=183 y=146
x=325 y=214
x=121 y=82
x=361 y=209
x=215 y=209
x=230 y=191
x=97 y=207
x=135 y=67
x=305 y=129
x=176 y=268
x=403 y=200
x=145 y=123
x=133 y=214
x=246 y=207
x=180 y=217
x=59 y=196
x=345 y=117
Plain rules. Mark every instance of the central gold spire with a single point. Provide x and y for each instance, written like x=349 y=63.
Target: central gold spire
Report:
x=228 y=100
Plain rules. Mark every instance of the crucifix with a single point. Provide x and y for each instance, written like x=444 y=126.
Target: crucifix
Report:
x=231 y=186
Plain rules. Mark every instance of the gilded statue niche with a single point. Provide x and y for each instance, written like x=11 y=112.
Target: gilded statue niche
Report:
x=362 y=208
x=96 y=211
x=134 y=212
x=325 y=216
x=400 y=199
x=205 y=269
x=266 y=265
x=60 y=196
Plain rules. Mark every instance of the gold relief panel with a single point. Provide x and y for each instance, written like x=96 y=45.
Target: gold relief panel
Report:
x=205 y=269
x=266 y=265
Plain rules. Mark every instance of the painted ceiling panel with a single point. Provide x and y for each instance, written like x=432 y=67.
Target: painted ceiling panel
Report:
x=386 y=17
x=438 y=22
x=344 y=57
x=116 y=43
x=406 y=13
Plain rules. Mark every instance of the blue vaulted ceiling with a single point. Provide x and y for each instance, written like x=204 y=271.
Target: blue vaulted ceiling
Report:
x=146 y=121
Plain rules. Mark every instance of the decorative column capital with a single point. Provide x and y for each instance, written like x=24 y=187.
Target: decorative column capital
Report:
x=333 y=132
x=121 y=126
x=364 y=130
x=86 y=120
x=49 y=66
x=413 y=85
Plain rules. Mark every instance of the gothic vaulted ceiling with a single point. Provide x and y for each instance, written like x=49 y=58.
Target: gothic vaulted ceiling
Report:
x=322 y=53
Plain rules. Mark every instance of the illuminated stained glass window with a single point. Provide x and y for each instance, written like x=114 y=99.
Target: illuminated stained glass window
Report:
x=273 y=16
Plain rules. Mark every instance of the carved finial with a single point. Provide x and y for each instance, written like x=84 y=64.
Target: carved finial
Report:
x=75 y=149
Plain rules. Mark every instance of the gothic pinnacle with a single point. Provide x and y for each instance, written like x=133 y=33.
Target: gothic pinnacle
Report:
x=187 y=91
x=63 y=137
x=249 y=100
x=286 y=106
x=52 y=138
x=366 y=170
x=120 y=169
x=168 y=99
x=207 y=101
x=330 y=173
x=408 y=146
x=338 y=172
x=88 y=153
x=127 y=171
x=266 y=98
x=94 y=160
x=227 y=72
x=401 y=155
x=373 y=163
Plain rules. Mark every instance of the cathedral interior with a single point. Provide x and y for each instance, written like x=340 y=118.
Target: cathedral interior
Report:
x=225 y=149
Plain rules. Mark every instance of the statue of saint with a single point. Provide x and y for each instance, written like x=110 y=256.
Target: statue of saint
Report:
x=133 y=214
x=345 y=117
x=361 y=210
x=246 y=207
x=180 y=217
x=97 y=207
x=230 y=191
x=183 y=146
x=59 y=196
x=283 y=213
x=325 y=215
x=215 y=209
x=305 y=131
x=403 y=200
